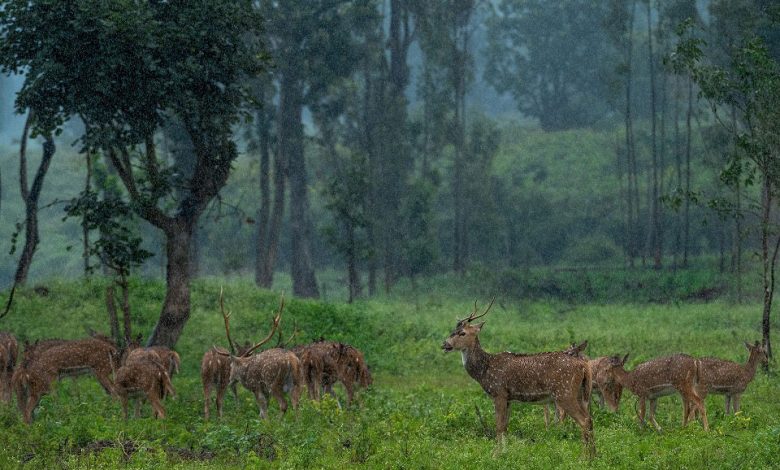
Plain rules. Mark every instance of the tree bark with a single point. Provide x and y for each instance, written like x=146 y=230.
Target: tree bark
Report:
x=767 y=261
x=176 y=307
x=31 y=197
x=264 y=211
x=291 y=146
x=655 y=228
x=113 y=319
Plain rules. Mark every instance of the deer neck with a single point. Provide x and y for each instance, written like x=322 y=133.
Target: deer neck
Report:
x=476 y=361
x=624 y=377
x=751 y=367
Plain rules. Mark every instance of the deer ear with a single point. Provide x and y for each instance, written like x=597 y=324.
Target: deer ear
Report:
x=479 y=326
x=748 y=346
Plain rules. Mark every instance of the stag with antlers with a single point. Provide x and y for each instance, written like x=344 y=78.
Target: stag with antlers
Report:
x=272 y=372
x=537 y=378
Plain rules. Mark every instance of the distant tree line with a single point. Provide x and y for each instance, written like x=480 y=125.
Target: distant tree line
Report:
x=362 y=142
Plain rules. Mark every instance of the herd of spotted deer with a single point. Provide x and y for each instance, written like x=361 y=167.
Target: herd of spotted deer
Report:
x=563 y=378
x=145 y=372
x=567 y=379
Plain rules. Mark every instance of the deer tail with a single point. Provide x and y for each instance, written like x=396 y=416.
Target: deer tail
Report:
x=586 y=387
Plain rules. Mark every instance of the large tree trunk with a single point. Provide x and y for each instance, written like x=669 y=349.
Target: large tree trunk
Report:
x=31 y=197
x=264 y=211
x=176 y=307
x=291 y=146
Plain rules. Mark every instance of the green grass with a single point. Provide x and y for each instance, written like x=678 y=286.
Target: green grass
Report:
x=423 y=411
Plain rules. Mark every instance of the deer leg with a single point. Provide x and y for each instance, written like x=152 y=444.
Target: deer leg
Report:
x=221 y=397
x=581 y=416
x=653 y=404
x=278 y=392
x=123 y=400
x=262 y=404
x=349 y=386
x=502 y=416
x=735 y=404
x=206 y=398
x=159 y=411
x=137 y=412
x=546 y=416
x=641 y=412
x=728 y=403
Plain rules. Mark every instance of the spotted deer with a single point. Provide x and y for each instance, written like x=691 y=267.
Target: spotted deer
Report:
x=678 y=373
x=729 y=378
x=325 y=363
x=215 y=366
x=8 y=354
x=271 y=372
x=536 y=378
x=604 y=384
x=47 y=361
x=143 y=377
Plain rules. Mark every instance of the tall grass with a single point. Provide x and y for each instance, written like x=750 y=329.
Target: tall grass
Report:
x=423 y=411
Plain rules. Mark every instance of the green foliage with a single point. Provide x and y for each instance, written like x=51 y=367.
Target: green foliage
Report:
x=423 y=410
x=118 y=245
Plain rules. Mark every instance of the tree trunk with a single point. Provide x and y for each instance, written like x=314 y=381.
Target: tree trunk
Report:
x=84 y=229
x=31 y=198
x=176 y=307
x=655 y=228
x=687 y=216
x=113 y=319
x=631 y=167
x=767 y=264
x=352 y=272
x=126 y=315
x=264 y=211
x=291 y=146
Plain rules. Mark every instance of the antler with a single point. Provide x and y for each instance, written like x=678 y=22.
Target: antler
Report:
x=471 y=316
x=226 y=317
x=284 y=344
x=274 y=326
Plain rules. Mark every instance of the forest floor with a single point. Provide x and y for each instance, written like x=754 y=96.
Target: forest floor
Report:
x=423 y=410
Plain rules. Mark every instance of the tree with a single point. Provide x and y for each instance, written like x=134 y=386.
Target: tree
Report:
x=31 y=194
x=312 y=46
x=446 y=32
x=117 y=247
x=750 y=88
x=542 y=52
x=125 y=69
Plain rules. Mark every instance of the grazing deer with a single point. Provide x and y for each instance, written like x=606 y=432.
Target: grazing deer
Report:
x=47 y=361
x=729 y=378
x=215 y=366
x=273 y=371
x=352 y=370
x=169 y=358
x=8 y=353
x=537 y=378
x=604 y=384
x=319 y=365
x=143 y=376
x=660 y=377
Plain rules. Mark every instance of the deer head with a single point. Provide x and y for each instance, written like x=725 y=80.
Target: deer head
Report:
x=464 y=336
x=758 y=353
x=577 y=350
x=238 y=363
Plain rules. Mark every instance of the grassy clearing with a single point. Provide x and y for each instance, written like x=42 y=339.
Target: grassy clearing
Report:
x=423 y=410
